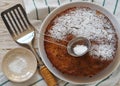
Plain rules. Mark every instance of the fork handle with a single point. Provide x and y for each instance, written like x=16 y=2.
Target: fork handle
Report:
x=48 y=77
x=43 y=70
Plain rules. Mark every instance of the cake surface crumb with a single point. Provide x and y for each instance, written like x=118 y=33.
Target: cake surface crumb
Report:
x=86 y=22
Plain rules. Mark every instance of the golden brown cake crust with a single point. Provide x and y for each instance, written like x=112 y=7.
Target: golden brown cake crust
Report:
x=81 y=66
x=86 y=65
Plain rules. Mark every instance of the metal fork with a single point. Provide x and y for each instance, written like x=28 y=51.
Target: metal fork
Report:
x=23 y=33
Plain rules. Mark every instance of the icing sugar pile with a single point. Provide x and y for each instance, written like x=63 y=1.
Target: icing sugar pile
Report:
x=87 y=23
x=80 y=49
x=18 y=65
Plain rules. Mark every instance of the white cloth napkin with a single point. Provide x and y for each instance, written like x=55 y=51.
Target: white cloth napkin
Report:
x=37 y=10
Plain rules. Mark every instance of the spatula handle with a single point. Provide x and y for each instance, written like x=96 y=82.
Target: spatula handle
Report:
x=46 y=74
x=48 y=77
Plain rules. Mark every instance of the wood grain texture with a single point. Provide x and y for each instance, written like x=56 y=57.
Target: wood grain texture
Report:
x=6 y=41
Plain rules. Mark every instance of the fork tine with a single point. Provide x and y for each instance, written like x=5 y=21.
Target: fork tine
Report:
x=11 y=24
x=7 y=25
x=22 y=18
x=24 y=14
x=18 y=20
x=15 y=21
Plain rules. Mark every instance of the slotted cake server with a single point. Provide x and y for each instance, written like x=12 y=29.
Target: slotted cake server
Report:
x=23 y=33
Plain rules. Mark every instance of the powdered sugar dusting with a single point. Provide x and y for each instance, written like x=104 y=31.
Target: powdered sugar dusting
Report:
x=80 y=49
x=104 y=51
x=87 y=23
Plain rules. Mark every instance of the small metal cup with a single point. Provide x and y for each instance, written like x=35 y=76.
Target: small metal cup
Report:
x=78 y=41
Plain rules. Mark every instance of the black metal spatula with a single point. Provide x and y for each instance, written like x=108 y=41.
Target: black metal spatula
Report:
x=23 y=33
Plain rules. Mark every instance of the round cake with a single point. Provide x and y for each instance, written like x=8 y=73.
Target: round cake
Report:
x=81 y=22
